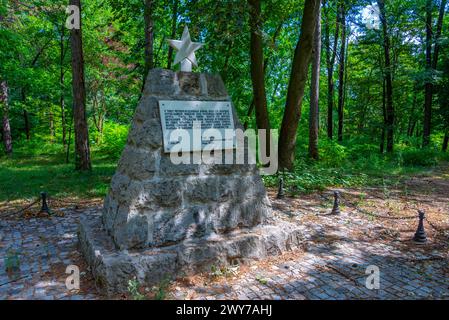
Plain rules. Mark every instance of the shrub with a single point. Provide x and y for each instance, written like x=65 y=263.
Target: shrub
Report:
x=419 y=157
x=113 y=140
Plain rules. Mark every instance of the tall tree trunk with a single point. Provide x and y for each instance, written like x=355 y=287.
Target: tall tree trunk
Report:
x=149 y=36
x=431 y=64
x=428 y=87
x=173 y=31
x=82 y=150
x=6 y=127
x=315 y=92
x=265 y=65
x=99 y=113
x=257 y=69
x=69 y=142
x=61 y=87
x=330 y=62
x=52 y=124
x=436 y=49
x=26 y=117
x=341 y=72
x=384 y=114
x=26 y=120
x=411 y=120
x=388 y=78
x=445 y=142
x=296 y=86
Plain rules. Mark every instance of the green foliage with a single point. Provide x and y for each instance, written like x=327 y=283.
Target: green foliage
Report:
x=32 y=35
x=223 y=271
x=355 y=163
x=419 y=157
x=39 y=165
x=133 y=290
x=112 y=140
x=161 y=291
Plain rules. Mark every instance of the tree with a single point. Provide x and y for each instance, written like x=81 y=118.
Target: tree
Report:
x=431 y=65
x=341 y=71
x=257 y=68
x=296 y=86
x=389 y=110
x=436 y=49
x=315 y=92
x=6 y=128
x=173 y=31
x=149 y=36
x=62 y=52
x=330 y=62
x=428 y=85
x=82 y=149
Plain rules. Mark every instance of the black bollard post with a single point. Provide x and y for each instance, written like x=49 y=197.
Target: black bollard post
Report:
x=420 y=234
x=281 y=193
x=44 y=208
x=336 y=208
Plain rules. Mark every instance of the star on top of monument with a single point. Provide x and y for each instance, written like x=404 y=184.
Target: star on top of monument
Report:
x=186 y=50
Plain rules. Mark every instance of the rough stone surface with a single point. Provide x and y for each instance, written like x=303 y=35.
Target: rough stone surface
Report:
x=164 y=220
x=153 y=202
x=112 y=268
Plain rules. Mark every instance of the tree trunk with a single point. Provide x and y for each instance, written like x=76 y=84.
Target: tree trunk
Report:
x=257 y=69
x=149 y=36
x=388 y=78
x=436 y=49
x=173 y=31
x=315 y=92
x=52 y=124
x=6 y=128
x=296 y=86
x=412 y=114
x=384 y=114
x=445 y=142
x=341 y=72
x=330 y=61
x=431 y=65
x=26 y=117
x=82 y=150
x=428 y=87
x=99 y=113
x=265 y=65
x=61 y=87
x=26 y=120
x=69 y=142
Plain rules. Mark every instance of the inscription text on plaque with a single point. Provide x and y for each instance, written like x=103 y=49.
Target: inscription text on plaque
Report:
x=214 y=119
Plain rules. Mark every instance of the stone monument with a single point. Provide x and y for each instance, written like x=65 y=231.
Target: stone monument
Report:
x=162 y=219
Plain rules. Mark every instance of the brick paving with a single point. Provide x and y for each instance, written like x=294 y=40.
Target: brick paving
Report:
x=34 y=256
x=331 y=265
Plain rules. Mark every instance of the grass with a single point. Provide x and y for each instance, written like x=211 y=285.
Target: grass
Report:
x=27 y=173
x=37 y=166
x=310 y=178
x=356 y=164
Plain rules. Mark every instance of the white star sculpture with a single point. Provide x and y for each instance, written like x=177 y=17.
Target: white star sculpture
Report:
x=186 y=51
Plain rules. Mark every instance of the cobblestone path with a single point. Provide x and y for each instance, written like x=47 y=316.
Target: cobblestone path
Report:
x=332 y=263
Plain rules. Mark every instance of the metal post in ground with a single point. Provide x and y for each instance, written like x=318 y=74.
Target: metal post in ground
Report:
x=281 y=193
x=44 y=208
x=420 y=234
x=336 y=208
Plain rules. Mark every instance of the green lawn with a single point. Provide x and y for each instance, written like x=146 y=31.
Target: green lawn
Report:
x=25 y=176
x=35 y=168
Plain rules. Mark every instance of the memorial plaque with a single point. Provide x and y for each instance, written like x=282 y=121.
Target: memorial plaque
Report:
x=180 y=118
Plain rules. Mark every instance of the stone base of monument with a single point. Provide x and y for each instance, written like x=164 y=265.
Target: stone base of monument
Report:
x=112 y=268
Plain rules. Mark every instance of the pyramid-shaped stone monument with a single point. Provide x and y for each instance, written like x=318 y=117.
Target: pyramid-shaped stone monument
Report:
x=163 y=218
